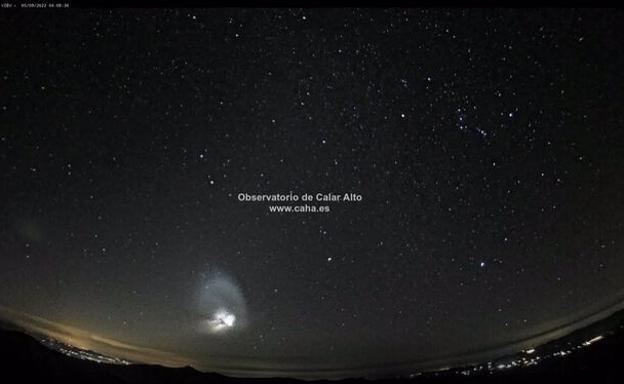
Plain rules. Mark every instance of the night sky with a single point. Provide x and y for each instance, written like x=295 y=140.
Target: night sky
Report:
x=487 y=146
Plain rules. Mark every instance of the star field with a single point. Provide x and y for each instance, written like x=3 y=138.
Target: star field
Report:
x=486 y=144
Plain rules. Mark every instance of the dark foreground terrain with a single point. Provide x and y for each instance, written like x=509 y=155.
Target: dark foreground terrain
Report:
x=24 y=359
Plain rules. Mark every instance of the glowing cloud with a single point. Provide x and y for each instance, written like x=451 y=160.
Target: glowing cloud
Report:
x=221 y=305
